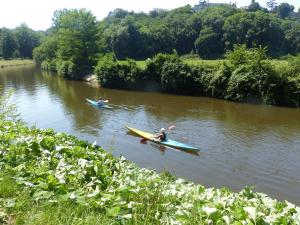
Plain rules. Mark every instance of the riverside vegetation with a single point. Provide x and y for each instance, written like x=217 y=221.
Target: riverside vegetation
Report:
x=53 y=178
x=245 y=76
x=15 y=62
x=77 y=45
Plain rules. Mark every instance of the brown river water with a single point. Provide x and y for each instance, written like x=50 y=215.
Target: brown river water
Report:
x=240 y=144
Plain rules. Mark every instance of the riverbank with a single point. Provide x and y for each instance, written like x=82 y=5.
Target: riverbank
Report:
x=91 y=79
x=196 y=61
x=54 y=178
x=15 y=62
x=245 y=75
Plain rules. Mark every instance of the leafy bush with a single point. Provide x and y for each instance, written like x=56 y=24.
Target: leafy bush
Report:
x=67 y=68
x=294 y=64
x=242 y=55
x=8 y=110
x=177 y=77
x=253 y=79
x=209 y=44
x=202 y=74
x=293 y=87
x=246 y=76
x=113 y=74
x=154 y=66
x=49 y=65
x=252 y=84
x=217 y=85
x=46 y=51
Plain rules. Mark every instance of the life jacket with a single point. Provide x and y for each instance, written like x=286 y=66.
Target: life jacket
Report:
x=164 y=136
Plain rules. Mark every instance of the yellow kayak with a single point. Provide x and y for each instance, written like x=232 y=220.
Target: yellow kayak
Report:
x=167 y=142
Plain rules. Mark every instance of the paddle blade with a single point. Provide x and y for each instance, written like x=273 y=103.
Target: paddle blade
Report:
x=143 y=140
x=171 y=127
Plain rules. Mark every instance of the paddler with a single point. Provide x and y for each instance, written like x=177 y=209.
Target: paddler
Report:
x=162 y=136
x=100 y=102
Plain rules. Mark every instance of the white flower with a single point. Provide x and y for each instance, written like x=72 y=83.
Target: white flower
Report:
x=209 y=210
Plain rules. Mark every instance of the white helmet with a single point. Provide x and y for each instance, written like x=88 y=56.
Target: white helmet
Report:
x=162 y=130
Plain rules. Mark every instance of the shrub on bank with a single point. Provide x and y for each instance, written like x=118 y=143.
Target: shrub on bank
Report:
x=67 y=68
x=216 y=81
x=253 y=79
x=293 y=90
x=154 y=66
x=246 y=76
x=177 y=77
x=49 y=65
x=113 y=74
x=170 y=73
x=44 y=173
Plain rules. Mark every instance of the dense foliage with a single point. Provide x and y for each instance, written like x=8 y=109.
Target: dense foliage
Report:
x=245 y=76
x=19 y=42
x=210 y=32
x=46 y=174
x=75 y=40
x=70 y=48
x=8 y=110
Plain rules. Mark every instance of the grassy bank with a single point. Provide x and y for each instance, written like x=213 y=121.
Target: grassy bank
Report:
x=202 y=62
x=53 y=178
x=15 y=62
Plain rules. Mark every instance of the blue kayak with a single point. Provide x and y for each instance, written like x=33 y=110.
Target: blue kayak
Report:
x=94 y=103
x=168 y=142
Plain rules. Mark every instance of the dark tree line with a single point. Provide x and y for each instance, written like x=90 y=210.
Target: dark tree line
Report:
x=76 y=40
x=19 y=42
x=209 y=33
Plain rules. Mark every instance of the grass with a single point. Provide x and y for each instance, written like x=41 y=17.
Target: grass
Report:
x=23 y=210
x=197 y=61
x=140 y=63
x=15 y=62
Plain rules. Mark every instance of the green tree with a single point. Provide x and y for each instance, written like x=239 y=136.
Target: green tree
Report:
x=254 y=29
x=9 y=44
x=127 y=40
x=284 y=10
x=27 y=40
x=254 y=6
x=76 y=38
x=46 y=51
x=253 y=79
x=209 y=44
x=182 y=29
x=291 y=37
x=118 y=13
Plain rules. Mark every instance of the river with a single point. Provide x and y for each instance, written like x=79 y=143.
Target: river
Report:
x=240 y=144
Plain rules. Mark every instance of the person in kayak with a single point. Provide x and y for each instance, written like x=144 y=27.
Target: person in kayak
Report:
x=100 y=102
x=162 y=136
